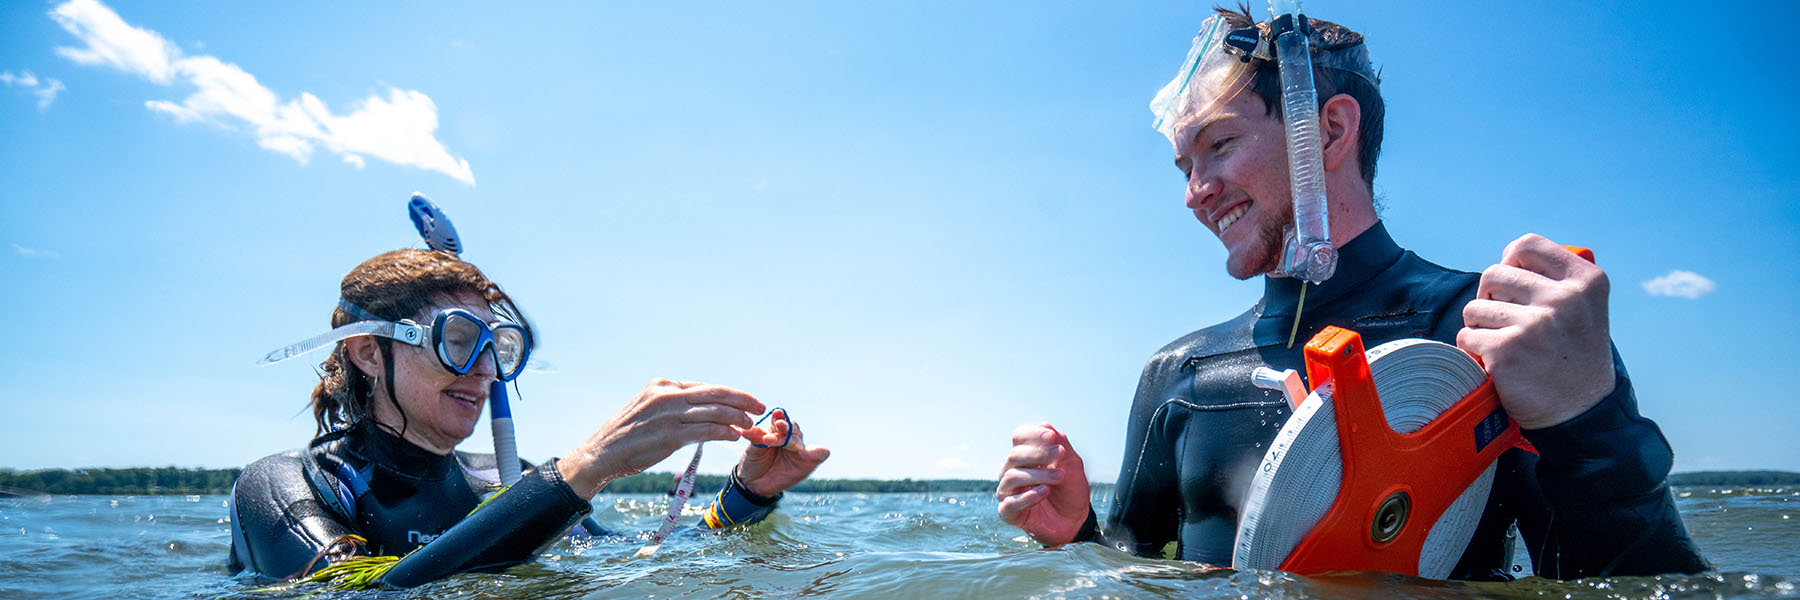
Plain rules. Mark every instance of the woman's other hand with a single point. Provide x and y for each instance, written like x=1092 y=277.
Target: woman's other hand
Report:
x=663 y=417
x=771 y=471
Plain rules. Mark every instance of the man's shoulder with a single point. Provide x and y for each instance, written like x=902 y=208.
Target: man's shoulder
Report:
x=1232 y=334
x=1421 y=284
x=1415 y=269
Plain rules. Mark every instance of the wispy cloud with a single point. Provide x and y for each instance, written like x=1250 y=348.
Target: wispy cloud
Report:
x=34 y=253
x=45 y=89
x=955 y=463
x=1680 y=284
x=399 y=127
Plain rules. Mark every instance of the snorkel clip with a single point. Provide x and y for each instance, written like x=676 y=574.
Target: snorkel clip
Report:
x=1247 y=44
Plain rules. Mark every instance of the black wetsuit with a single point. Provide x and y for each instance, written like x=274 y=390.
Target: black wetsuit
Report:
x=1593 y=500
x=285 y=508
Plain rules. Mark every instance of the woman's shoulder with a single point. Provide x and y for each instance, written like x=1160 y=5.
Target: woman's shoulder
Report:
x=277 y=470
x=300 y=466
x=280 y=461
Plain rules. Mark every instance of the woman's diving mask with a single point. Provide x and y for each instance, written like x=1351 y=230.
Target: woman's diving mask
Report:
x=458 y=336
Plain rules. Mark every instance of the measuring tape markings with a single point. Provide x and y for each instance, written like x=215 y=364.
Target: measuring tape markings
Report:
x=682 y=492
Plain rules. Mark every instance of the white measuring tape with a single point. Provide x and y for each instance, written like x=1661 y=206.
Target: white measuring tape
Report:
x=1298 y=480
x=683 y=490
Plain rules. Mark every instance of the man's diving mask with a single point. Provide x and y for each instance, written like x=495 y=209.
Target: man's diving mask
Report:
x=458 y=336
x=1222 y=60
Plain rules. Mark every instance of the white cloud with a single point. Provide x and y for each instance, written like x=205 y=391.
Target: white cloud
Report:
x=1681 y=284
x=399 y=128
x=955 y=464
x=25 y=80
x=34 y=253
x=45 y=89
x=113 y=42
x=48 y=93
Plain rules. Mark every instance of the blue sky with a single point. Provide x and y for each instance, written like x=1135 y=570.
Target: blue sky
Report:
x=916 y=226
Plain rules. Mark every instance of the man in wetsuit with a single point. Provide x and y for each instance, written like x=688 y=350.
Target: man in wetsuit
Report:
x=1592 y=501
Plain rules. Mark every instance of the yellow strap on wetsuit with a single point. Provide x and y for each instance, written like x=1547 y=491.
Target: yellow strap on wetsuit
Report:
x=1298 y=306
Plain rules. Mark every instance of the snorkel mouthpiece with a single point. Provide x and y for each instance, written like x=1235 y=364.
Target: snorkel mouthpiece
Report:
x=1309 y=255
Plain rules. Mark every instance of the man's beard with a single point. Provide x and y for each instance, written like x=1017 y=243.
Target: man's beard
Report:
x=1272 y=244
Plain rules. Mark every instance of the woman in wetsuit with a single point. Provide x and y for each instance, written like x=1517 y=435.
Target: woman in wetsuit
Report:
x=419 y=337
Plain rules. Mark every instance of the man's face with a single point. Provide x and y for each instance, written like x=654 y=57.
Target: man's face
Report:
x=1235 y=159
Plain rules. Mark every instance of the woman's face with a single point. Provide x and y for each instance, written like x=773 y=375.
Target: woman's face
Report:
x=441 y=407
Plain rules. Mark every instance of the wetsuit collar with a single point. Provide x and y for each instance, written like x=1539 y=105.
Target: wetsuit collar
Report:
x=396 y=455
x=1359 y=260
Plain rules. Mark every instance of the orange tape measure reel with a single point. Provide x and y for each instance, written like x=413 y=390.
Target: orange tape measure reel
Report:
x=1394 y=485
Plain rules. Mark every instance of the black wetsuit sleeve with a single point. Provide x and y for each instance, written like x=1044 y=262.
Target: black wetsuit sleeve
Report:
x=587 y=525
x=510 y=529
x=1145 y=514
x=1593 y=500
x=1603 y=476
x=278 y=523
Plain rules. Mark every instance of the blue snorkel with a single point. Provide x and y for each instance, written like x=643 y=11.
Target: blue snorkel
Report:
x=440 y=235
x=1309 y=255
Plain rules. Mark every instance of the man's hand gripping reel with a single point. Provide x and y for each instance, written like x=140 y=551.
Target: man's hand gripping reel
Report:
x=1395 y=486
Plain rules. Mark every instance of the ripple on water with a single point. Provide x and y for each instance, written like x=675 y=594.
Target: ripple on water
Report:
x=834 y=545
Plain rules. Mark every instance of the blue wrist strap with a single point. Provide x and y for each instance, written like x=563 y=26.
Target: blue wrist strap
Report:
x=736 y=505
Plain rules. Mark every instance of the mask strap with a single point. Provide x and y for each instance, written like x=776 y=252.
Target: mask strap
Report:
x=325 y=339
x=387 y=364
x=357 y=311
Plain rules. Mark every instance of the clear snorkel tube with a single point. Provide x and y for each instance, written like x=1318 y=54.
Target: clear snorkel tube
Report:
x=1309 y=255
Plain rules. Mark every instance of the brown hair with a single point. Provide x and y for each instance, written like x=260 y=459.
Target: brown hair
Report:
x=396 y=285
x=1327 y=37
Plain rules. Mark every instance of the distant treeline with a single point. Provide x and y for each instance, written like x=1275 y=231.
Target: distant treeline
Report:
x=1735 y=478
x=118 y=482
x=177 y=481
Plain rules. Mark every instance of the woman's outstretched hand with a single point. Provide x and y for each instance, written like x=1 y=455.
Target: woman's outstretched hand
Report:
x=663 y=417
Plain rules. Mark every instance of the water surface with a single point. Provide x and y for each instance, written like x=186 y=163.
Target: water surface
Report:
x=831 y=545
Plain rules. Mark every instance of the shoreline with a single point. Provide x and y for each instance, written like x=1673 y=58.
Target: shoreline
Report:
x=177 y=481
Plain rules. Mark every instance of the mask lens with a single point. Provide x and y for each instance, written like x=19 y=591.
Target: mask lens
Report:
x=460 y=336
x=510 y=347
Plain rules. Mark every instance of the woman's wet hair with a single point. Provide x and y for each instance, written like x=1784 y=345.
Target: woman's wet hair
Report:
x=402 y=284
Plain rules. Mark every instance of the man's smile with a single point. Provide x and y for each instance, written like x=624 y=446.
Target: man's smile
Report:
x=1232 y=217
x=1228 y=212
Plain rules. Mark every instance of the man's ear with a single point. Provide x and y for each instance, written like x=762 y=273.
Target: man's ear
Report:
x=1340 y=123
x=364 y=351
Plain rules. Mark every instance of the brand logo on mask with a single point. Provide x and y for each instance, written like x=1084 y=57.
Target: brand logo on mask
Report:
x=421 y=538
